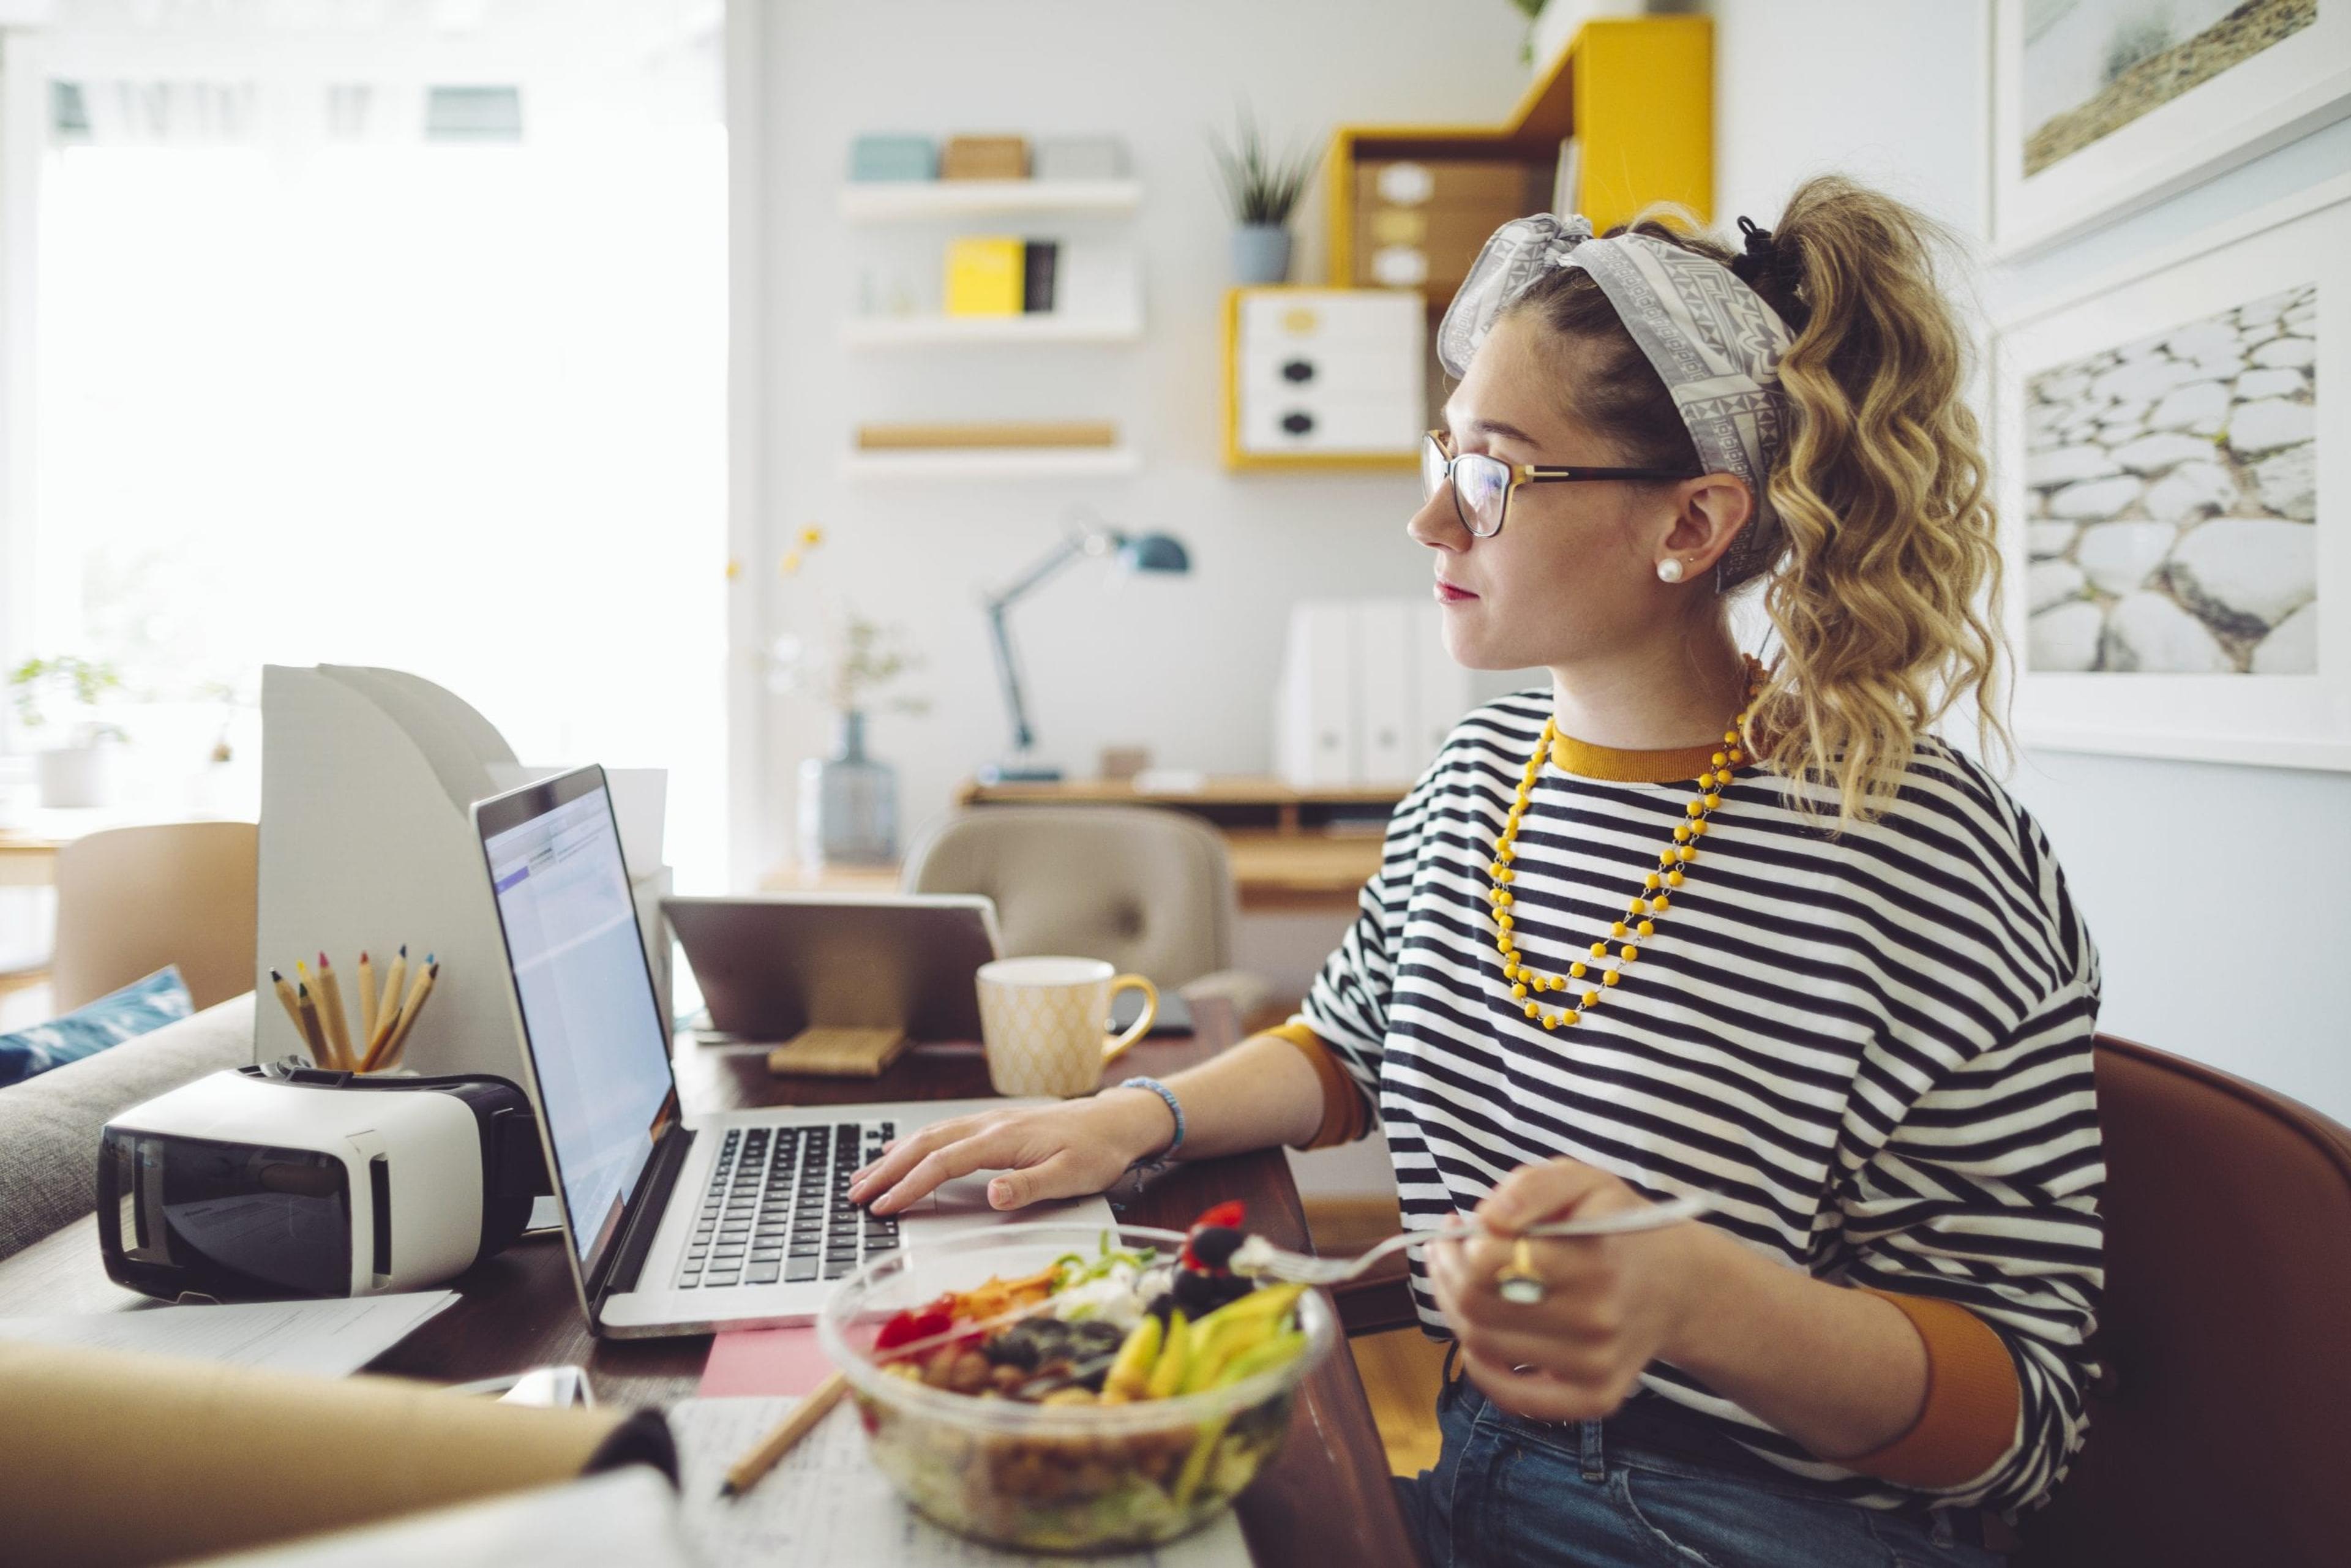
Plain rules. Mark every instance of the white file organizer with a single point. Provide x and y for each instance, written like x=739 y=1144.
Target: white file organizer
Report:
x=368 y=779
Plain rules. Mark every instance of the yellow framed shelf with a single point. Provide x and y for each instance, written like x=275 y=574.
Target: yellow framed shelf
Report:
x=1635 y=93
x=1408 y=206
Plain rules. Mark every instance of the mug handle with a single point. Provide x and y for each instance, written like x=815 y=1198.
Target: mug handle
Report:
x=1113 y=1050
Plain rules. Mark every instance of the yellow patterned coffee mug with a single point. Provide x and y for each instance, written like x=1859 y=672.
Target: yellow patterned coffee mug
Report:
x=1044 y=1022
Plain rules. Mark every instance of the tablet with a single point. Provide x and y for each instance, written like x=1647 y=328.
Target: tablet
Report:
x=771 y=964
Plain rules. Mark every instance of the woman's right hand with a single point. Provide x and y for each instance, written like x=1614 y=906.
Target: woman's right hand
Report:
x=1067 y=1150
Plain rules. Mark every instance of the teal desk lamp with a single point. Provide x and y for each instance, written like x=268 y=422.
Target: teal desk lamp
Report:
x=1131 y=552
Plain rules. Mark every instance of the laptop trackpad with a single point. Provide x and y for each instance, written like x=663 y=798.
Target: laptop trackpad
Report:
x=962 y=1205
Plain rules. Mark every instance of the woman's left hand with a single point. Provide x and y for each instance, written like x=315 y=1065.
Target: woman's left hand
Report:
x=1611 y=1304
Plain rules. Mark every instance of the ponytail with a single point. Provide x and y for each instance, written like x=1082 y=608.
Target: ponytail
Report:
x=1885 y=592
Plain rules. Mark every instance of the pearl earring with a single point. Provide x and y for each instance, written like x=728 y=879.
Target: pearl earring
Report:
x=1669 y=571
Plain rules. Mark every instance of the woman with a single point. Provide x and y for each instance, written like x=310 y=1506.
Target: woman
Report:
x=1681 y=922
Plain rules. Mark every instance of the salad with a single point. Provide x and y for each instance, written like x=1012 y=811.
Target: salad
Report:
x=1105 y=1349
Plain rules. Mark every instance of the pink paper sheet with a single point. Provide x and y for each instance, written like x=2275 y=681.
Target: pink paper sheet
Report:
x=754 y=1362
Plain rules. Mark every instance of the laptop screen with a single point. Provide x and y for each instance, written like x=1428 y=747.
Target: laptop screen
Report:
x=598 y=1043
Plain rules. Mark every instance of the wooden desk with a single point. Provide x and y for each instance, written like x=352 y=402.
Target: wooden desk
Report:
x=1291 y=849
x=1328 y=1497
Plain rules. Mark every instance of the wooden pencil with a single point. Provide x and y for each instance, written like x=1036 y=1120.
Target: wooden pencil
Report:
x=747 y=1471
x=293 y=1010
x=320 y=1052
x=387 y=1012
x=331 y=1010
x=397 y=1040
x=367 y=1003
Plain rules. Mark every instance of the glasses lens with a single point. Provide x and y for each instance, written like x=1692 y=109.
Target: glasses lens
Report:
x=1481 y=483
x=1432 y=467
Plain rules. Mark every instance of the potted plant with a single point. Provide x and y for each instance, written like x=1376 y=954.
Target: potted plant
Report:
x=74 y=771
x=849 y=799
x=1262 y=188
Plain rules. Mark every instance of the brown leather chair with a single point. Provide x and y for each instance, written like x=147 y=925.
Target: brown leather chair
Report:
x=2221 y=1430
x=132 y=900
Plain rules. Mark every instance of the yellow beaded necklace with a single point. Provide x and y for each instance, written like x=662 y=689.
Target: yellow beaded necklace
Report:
x=1652 y=900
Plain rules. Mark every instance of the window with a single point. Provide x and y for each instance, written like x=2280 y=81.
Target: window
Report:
x=396 y=374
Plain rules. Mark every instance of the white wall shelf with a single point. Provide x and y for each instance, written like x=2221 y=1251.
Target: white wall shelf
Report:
x=1044 y=327
x=915 y=201
x=993 y=463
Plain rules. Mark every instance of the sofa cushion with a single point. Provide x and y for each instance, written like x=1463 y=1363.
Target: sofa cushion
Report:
x=49 y=1125
x=136 y=1008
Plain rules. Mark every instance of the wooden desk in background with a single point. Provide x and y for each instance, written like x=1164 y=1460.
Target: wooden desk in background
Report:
x=1291 y=849
x=1327 y=1498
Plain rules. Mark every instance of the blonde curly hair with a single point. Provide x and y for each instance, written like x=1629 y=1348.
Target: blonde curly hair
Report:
x=1884 y=587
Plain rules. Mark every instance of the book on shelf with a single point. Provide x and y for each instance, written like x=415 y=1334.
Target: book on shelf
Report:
x=985 y=276
x=1040 y=258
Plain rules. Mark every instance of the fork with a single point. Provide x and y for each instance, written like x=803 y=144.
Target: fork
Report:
x=1259 y=1257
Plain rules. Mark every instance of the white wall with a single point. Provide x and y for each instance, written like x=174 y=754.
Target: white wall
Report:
x=1184 y=665
x=2214 y=893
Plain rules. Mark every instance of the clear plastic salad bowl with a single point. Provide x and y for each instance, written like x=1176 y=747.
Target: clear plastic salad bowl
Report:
x=1056 y=1478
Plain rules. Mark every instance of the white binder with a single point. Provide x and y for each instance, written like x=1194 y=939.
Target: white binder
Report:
x=367 y=780
x=1440 y=688
x=1315 y=744
x=1386 y=664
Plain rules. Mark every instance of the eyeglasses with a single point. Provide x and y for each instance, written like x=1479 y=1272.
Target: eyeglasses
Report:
x=1482 y=485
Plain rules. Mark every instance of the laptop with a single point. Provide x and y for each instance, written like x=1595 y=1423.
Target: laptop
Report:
x=678 y=1224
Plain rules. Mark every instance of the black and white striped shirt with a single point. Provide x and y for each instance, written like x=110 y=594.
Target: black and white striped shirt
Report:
x=1873 y=1049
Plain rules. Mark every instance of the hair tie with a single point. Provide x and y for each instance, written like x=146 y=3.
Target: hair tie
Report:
x=1764 y=257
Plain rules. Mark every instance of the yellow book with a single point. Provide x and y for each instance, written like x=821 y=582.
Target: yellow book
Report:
x=985 y=274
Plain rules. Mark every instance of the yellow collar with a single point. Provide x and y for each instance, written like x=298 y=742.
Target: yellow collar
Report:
x=1613 y=766
x=1586 y=760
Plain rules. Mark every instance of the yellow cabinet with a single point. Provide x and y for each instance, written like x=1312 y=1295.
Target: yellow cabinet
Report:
x=1635 y=93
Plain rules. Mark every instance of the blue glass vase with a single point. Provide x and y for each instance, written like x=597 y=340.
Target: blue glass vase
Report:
x=848 y=802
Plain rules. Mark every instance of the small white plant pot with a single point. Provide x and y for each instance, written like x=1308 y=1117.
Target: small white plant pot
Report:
x=74 y=775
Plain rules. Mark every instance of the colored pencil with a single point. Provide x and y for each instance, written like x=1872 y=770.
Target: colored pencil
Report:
x=397 y=1040
x=320 y=1052
x=367 y=1003
x=286 y=996
x=387 y=1013
x=747 y=1471
x=331 y=1010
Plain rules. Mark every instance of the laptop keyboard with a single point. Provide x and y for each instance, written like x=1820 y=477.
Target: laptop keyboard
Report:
x=778 y=1208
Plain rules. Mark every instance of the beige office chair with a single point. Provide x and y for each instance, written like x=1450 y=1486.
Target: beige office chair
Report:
x=132 y=900
x=1149 y=890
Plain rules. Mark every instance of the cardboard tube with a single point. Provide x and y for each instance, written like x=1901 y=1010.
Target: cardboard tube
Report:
x=131 y=1459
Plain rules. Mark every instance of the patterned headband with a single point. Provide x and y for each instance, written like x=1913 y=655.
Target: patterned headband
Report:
x=1712 y=340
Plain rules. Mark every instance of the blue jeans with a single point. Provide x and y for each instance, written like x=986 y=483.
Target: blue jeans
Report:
x=1508 y=1491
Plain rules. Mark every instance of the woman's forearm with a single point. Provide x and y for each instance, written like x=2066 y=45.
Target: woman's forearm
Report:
x=1260 y=1095
x=1839 y=1369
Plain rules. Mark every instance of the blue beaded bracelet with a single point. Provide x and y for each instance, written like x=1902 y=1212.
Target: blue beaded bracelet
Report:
x=1151 y=1164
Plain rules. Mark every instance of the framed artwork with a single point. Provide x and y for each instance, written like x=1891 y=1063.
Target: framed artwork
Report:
x=2103 y=107
x=2174 y=464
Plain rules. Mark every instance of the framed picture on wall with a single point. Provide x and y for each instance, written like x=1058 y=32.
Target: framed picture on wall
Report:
x=2102 y=107
x=2174 y=464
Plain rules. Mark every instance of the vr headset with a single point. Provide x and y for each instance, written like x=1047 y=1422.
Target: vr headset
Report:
x=257 y=1183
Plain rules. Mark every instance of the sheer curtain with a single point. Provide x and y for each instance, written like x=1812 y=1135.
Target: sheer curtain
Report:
x=454 y=406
